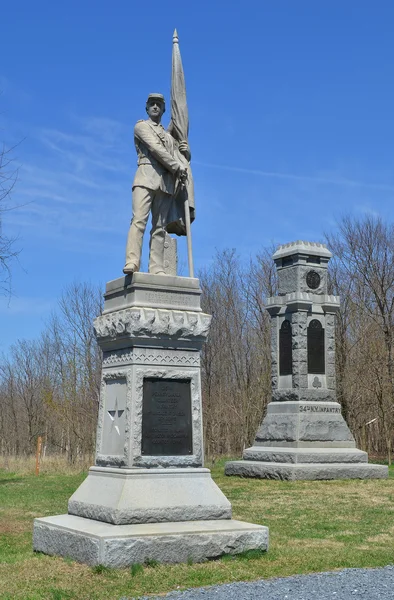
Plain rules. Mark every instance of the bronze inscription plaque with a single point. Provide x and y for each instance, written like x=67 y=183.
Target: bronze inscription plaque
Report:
x=316 y=355
x=167 y=417
x=285 y=349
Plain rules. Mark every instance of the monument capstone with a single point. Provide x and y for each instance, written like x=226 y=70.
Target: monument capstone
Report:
x=303 y=434
x=148 y=496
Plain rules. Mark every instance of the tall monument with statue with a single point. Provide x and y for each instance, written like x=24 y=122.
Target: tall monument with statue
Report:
x=148 y=496
x=303 y=435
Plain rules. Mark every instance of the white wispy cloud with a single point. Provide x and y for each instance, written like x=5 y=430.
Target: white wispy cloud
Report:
x=326 y=180
x=76 y=179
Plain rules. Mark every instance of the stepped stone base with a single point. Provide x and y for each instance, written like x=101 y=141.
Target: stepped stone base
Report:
x=299 y=440
x=93 y=542
x=308 y=454
x=305 y=471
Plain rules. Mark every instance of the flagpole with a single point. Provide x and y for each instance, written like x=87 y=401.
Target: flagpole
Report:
x=177 y=83
x=189 y=237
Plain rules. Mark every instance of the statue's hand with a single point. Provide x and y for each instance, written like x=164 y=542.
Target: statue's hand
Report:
x=182 y=174
x=184 y=149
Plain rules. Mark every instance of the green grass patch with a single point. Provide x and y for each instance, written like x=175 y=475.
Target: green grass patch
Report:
x=314 y=526
x=136 y=569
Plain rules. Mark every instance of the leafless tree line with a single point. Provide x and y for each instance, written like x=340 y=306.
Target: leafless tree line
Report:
x=50 y=386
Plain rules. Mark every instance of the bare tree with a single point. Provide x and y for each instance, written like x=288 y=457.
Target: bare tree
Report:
x=76 y=360
x=8 y=178
x=364 y=250
x=235 y=364
x=50 y=386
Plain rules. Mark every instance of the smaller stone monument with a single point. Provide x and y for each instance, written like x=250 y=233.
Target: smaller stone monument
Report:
x=303 y=435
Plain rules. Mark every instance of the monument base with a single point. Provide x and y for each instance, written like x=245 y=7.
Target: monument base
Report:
x=96 y=543
x=305 y=440
x=135 y=496
x=305 y=471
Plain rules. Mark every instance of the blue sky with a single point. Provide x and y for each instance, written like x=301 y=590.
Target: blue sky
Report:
x=291 y=125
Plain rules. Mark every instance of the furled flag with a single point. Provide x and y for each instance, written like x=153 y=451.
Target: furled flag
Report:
x=179 y=129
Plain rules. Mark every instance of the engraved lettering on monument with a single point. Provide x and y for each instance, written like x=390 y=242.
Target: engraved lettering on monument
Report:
x=317 y=408
x=168 y=298
x=316 y=358
x=285 y=349
x=166 y=417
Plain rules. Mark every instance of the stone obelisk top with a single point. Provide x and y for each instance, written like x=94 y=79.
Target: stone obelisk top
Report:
x=302 y=278
x=302 y=248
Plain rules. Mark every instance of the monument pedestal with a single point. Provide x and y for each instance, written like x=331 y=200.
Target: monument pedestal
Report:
x=148 y=495
x=304 y=441
x=128 y=496
x=303 y=435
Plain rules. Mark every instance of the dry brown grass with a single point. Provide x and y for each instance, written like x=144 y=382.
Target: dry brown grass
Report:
x=50 y=464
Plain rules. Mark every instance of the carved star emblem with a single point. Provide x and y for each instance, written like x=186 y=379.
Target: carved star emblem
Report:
x=115 y=415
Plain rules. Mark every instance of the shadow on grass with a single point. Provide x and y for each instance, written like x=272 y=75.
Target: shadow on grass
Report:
x=14 y=480
x=244 y=556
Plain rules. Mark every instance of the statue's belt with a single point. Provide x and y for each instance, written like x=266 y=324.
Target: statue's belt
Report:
x=144 y=160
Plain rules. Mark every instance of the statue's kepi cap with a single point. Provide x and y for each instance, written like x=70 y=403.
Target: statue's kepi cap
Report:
x=156 y=97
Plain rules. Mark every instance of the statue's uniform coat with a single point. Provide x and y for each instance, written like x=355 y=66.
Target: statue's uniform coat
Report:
x=157 y=166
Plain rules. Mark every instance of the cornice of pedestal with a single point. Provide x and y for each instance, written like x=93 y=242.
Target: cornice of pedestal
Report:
x=302 y=301
x=141 y=322
x=302 y=247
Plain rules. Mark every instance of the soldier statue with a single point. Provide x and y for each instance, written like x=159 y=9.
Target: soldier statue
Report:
x=163 y=176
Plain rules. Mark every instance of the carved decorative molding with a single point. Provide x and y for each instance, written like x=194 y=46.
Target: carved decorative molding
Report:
x=152 y=357
x=118 y=357
x=151 y=322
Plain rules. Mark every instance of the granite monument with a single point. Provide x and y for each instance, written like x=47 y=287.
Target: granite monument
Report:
x=303 y=435
x=148 y=496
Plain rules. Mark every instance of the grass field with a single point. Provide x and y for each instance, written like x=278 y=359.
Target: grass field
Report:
x=314 y=526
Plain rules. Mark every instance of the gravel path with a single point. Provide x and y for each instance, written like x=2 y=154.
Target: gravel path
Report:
x=349 y=584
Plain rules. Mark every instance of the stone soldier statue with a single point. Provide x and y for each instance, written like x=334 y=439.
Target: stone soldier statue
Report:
x=163 y=174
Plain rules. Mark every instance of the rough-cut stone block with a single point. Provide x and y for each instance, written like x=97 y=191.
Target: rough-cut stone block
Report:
x=304 y=471
x=65 y=541
x=330 y=320
x=330 y=357
x=305 y=455
x=278 y=427
x=330 y=383
x=96 y=543
x=304 y=422
x=330 y=370
x=321 y=395
x=285 y=395
x=323 y=427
